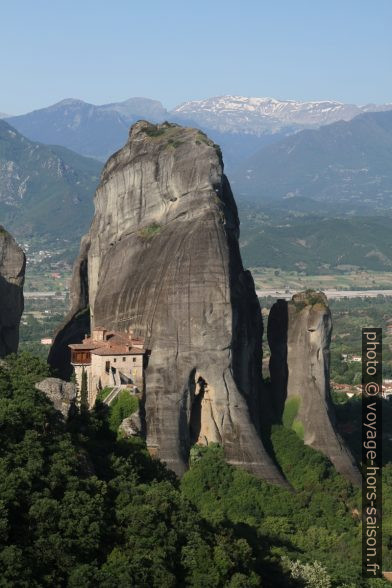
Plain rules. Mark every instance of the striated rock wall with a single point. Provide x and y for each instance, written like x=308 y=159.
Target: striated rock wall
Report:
x=299 y=334
x=162 y=258
x=12 y=270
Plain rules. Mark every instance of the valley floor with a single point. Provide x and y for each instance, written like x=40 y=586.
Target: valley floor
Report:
x=268 y=279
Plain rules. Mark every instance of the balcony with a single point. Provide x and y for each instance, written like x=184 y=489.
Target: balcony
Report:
x=81 y=357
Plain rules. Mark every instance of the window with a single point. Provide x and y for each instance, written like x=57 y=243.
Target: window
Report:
x=107 y=366
x=134 y=360
x=124 y=358
x=114 y=360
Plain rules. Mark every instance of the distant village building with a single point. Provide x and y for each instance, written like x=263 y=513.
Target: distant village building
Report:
x=387 y=389
x=109 y=358
x=349 y=358
x=346 y=389
x=46 y=341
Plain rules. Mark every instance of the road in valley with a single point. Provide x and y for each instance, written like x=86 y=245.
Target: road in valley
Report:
x=46 y=294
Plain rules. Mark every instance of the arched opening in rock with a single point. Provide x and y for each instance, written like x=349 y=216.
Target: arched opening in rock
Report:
x=195 y=421
x=205 y=417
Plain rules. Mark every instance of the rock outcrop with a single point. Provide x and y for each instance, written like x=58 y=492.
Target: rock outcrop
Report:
x=12 y=270
x=299 y=334
x=162 y=258
x=62 y=394
x=132 y=426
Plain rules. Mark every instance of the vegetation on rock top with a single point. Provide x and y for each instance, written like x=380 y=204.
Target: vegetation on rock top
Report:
x=150 y=231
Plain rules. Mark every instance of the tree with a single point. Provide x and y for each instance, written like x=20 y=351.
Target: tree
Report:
x=314 y=574
x=81 y=508
x=84 y=391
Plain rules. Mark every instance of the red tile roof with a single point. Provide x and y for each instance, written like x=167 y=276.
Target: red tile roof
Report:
x=114 y=343
x=85 y=346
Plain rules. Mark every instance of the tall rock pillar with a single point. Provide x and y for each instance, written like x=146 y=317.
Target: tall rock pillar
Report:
x=299 y=334
x=162 y=258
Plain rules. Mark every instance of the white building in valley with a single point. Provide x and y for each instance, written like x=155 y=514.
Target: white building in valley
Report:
x=110 y=359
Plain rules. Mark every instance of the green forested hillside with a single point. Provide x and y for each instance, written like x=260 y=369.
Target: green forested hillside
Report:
x=45 y=190
x=314 y=243
x=82 y=508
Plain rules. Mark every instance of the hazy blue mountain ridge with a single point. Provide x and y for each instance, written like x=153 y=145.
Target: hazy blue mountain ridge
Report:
x=241 y=125
x=90 y=130
x=344 y=167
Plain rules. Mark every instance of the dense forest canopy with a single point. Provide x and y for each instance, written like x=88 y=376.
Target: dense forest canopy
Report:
x=80 y=506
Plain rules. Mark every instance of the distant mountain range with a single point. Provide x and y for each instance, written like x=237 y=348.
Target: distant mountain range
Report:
x=258 y=116
x=93 y=131
x=240 y=125
x=303 y=182
x=44 y=190
x=345 y=167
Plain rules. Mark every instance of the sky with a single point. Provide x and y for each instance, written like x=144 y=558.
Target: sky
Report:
x=174 y=51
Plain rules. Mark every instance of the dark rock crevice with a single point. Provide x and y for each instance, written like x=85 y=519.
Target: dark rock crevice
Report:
x=77 y=322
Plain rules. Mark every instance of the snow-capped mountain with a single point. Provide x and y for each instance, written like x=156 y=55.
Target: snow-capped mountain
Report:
x=240 y=125
x=267 y=115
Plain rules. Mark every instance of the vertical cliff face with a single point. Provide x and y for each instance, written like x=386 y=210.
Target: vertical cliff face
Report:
x=162 y=258
x=12 y=269
x=299 y=334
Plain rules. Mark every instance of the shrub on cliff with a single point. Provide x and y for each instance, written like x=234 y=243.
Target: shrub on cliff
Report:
x=122 y=407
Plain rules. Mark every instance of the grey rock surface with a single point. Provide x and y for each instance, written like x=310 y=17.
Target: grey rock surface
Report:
x=162 y=258
x=62 y=394
x=132 y=425
x=12 y=271
x=299 y=334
